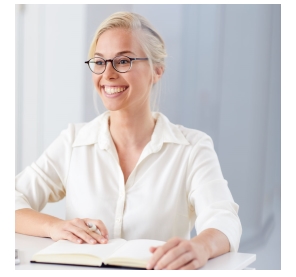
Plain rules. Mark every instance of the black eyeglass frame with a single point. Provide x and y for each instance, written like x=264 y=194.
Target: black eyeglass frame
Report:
x=112 y=62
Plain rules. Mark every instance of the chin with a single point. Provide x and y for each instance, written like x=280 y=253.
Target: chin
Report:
x=112 y=108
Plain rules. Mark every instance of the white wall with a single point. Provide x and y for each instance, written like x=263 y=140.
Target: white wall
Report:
x=51 y=50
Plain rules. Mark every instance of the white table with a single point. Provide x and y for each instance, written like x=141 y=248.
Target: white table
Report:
x=28 y=246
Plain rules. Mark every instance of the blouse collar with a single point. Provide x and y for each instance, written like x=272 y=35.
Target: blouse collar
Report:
x=97 y=131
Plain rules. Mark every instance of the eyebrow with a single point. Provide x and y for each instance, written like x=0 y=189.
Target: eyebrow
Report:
x=118 y=53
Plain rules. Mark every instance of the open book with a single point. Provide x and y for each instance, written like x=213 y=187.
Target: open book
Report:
x=117 y=252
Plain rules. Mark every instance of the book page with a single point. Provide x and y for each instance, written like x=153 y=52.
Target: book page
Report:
x=136 y=249
x=66 y=247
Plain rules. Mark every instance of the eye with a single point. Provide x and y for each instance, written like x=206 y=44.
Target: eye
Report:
x=99 y=63
x=122 y=61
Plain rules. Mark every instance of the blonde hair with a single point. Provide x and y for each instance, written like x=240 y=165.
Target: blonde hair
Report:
x=151 y=42
x=149 y=39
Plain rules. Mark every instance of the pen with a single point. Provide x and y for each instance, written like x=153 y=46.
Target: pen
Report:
x=93 y=228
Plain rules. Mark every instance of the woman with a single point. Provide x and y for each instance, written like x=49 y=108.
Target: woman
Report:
x=130 y=172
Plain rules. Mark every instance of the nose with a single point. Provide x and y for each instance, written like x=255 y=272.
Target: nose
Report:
x=110 y=72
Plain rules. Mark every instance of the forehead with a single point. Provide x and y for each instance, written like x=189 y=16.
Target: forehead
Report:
x=115 y=41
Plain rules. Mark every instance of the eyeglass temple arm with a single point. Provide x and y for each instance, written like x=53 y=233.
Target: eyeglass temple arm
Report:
x=138 y=59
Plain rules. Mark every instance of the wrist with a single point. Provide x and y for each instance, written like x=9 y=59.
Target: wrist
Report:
x=203 y=245
x=49 y=225
x=214 y=242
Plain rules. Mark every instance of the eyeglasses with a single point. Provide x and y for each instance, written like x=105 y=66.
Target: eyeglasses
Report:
x=121 y=64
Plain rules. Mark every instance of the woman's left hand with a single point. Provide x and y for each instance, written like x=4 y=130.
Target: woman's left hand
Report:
x=179 y=253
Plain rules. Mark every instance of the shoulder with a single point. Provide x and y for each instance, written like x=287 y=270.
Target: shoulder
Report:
x=192 y=136
x=85 y=133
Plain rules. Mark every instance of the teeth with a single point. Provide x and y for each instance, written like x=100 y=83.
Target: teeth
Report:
x=113 y=90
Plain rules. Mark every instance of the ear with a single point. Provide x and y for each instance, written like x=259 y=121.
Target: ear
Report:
x=158 y=71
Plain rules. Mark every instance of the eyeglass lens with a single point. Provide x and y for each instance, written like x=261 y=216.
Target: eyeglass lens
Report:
x=120 y=63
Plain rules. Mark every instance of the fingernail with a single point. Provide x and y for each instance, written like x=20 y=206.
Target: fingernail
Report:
x=79 y=240
x=102 y=240
x=148 y=266
x=92 y=241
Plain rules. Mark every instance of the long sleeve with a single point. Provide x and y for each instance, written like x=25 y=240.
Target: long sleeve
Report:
x=44 y=180
x=209 y=194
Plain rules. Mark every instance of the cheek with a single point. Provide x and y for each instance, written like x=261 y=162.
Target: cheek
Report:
x=96 y=79
x=143 y=80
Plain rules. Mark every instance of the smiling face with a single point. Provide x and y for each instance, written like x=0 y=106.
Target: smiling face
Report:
x=123 y=91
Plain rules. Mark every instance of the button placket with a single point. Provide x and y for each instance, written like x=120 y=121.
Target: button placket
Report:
x=120 y=205
x=119 y=215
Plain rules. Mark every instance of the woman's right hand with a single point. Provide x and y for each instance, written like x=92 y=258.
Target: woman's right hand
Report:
x=77 y=231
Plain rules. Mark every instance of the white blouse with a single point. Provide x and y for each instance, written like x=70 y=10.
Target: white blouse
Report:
x=176 y=183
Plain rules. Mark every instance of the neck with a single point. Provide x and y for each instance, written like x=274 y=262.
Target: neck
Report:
x=131 y=129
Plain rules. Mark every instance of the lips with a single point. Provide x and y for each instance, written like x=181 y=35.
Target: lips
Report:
x=114 y=89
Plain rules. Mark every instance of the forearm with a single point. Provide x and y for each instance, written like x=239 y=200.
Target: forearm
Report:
x=33 y=223
x=214 y=242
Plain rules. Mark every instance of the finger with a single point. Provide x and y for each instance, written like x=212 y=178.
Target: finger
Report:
x=152 y=249
x=92 y=227
x=94 y=230
x=78 y=222
x=101 y=234
x=71 y=237
x=160 y=251
x=80 y=233
x=172 y=255
x=99 y=238
x=78 y=227
x=102 y=228
x=181 y=261
x=192 y=265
